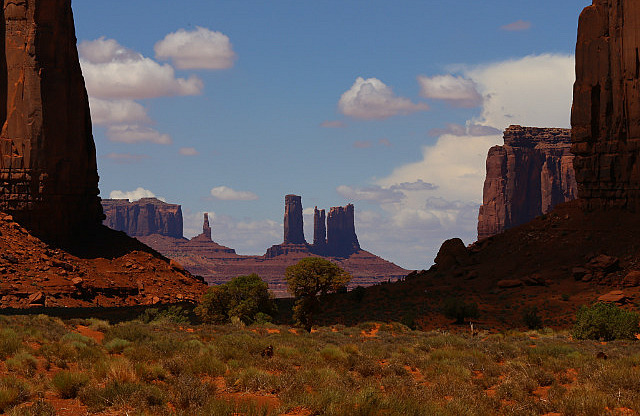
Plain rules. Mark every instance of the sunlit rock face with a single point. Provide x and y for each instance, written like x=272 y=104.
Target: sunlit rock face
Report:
x=605 y=116
x=526 y=177
x=48 y=173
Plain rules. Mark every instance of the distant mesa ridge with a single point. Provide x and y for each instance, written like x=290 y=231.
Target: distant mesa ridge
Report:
x=144 y=217
x=526 y=177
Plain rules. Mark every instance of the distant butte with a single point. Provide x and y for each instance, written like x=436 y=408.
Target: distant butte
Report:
x=528 y=176
x=334 y=238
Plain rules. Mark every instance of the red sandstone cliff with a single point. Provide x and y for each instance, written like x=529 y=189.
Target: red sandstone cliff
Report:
x=526 y=177
x=144 y=217
x=605 y=116
x=48 y=174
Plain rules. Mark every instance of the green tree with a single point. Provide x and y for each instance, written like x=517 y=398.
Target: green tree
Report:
x=458 y=309
x=245 y=297
x=605 y=321
x=309 y=278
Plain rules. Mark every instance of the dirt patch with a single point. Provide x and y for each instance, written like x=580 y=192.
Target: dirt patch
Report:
x=88 y=332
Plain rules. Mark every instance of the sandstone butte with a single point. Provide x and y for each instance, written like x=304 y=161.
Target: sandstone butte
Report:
x=334 y=238
x=49 y=180
x=526 y=177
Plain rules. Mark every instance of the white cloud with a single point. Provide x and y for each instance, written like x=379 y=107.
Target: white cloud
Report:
x=468 y=130
x=225 y=193
x=125 y=133
x=198 y=49
x=517 y=26
x=134 y=195
x=536 y=90
x=112 y=71
x=372 y=99
x=188 y=151
x=125 y=158
x=372 y=193
x=106 y=112
x=455 y=90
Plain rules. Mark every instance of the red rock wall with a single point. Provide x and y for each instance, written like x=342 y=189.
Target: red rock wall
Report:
x=605 y=116
x=341 y=231
x=293 y=226
x=526 y=178
x=144 y=217
x=48 y=173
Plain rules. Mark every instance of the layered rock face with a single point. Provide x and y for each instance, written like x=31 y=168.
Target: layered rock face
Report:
x=527 y=177
x=293 y=227
x=319 y=229
x=605 y=116
x=145 y=217
x=341 y=231
x=48 y=173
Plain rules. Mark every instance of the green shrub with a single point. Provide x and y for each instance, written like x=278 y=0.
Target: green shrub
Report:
x=605 y=321
x=23 y=363
x=531 y=318
x=175 y=314
x=68 y=383
x=458 y=309
x=10 y=343
x=39 y=408
x=243 y=297
x=116 y=345
x=13 y=392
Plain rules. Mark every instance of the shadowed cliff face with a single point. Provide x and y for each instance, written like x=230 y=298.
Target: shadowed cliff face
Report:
x=48 y=173
x=605 y=116
x=527 y=177
x=293 y=227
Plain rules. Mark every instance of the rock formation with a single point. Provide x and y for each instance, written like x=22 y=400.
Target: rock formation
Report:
x=605 y=116
x=145 y=217
x=527 y=177
x=48 y=173
x=341 y=231
x=293 y=227
x=206 y=228
x=319 y=229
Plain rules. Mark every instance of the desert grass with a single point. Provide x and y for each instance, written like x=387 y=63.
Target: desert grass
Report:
x=174 y=368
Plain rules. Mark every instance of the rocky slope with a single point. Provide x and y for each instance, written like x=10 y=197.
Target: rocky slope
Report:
x=143 y=217
x=526 y=177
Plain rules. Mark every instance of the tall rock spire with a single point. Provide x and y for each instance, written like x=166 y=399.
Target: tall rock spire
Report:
x=293 y=227
x=342 y=240
x=206 y=228
x=48 y=173
x=319 y=229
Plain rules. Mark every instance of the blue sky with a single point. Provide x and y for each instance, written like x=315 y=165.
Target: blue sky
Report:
x=226 y=106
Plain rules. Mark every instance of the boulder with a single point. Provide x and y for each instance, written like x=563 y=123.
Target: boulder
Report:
x=615 y=296
x=452 y=253
x=632 y=279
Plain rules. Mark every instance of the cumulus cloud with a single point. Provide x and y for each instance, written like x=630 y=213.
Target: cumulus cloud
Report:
x=136 y=134
x=333 y=124
x=225 y=193
x=455 y=90
x=134 y=195
x=188 y=151
x=371 y=99
x=112 y=71
x=106 y=112
x=468 y=130
x=418 y=185
x=517 y=26
x=125 y=158
x=197 y=49
x=536 y=90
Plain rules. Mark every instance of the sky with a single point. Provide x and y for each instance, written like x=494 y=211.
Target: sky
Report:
x=227 y=106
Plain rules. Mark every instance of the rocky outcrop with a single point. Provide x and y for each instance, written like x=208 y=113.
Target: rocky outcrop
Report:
x=48 y=173
x=605 y=117
x=319 y=229
x=341 y=231
x=293 y=226
x=206 y=228
x=144 y=217
x=527 y=177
